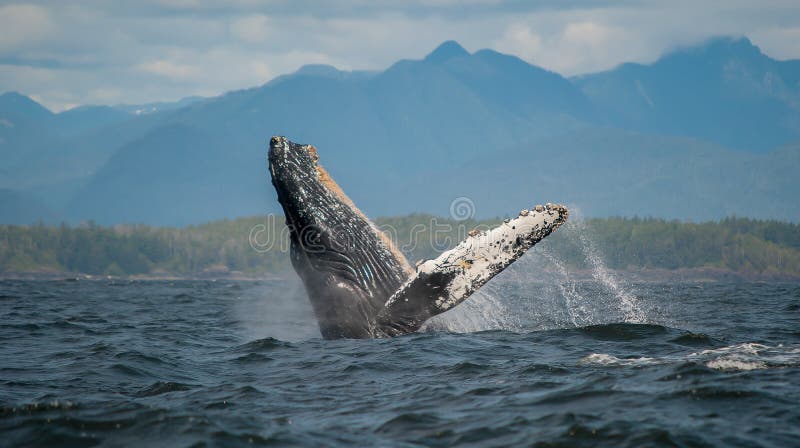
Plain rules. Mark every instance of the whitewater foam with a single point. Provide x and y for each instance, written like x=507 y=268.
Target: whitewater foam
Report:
x=737 y=357
x=604 y=359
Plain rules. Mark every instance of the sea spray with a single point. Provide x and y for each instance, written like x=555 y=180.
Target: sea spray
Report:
x=578 y=228
x=575 y=303
x=485 y=310
x=540 y=292
x=261 y=313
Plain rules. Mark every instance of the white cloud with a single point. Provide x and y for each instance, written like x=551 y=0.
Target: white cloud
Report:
x=252 y=29
x=107 y=95
x=521 y=40
x=781 y=42
x=572 y=45
x=23 y=24
x=78 y=51
x=169 y=69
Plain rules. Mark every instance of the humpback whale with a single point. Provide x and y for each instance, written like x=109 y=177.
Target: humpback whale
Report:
x=359 y=284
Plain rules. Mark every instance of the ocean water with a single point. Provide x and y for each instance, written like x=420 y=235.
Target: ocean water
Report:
x=526 y=362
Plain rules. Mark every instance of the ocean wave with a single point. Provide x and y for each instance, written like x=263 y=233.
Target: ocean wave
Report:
x=623 y=331
x=605 y=359
x=161 y=387
x=750 y=356
x=260 y=345
x=738 y=357
x=155 y=371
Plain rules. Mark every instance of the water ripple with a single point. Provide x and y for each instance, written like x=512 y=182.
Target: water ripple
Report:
x=185 y=363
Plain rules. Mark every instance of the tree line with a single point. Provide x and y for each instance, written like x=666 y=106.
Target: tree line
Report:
x=258 y=246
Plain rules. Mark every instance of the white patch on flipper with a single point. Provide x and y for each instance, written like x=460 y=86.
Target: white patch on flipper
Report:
x=481 y=256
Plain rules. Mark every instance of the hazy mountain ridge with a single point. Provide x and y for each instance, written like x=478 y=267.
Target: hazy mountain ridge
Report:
x=422 y=132
x=725 y=91
x=21 y=208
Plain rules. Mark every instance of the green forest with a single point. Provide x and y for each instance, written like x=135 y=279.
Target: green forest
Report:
x=258 y=246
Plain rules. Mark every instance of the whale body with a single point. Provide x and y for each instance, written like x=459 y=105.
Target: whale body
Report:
x=359 y=284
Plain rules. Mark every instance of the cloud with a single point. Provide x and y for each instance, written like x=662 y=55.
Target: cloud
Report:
x=252 y=29
x=151 y=50
x=521 y=40
x=781 y=42
x=576 y=47
x=169 y=69
x=23 y=24
x=578 y=41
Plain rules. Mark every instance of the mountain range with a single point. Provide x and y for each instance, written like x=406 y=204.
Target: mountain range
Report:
x=702 y=133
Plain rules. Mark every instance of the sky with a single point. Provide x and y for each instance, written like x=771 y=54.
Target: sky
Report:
x=65 y=53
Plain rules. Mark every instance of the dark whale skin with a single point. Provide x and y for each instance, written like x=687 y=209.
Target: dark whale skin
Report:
x=348 y=268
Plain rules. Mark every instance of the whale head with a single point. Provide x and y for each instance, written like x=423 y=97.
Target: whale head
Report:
x=318 y=213
x=296 y=179
x=348 y=267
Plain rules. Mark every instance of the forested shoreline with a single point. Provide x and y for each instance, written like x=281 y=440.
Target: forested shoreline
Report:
x=257 y=247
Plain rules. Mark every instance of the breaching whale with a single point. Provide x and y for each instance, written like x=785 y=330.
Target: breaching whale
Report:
x=359 y=284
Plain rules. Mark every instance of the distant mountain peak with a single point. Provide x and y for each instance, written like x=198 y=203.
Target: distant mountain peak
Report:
x=21 y=105
x=11 y=94
x=18 y=98
x=742 y=42
x=738 y=45
x=447 y=50
x=318 y=70
x=721 y=47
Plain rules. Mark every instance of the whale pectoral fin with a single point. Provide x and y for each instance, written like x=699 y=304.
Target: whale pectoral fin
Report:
x=448 y=280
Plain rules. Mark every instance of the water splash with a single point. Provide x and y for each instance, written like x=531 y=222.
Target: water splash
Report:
x=577 y=228
x=484 y=310
x=270 y=311
x=541 y=292
x=576 y=304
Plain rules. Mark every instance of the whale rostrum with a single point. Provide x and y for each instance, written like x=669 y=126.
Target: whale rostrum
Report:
x=359 y=284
